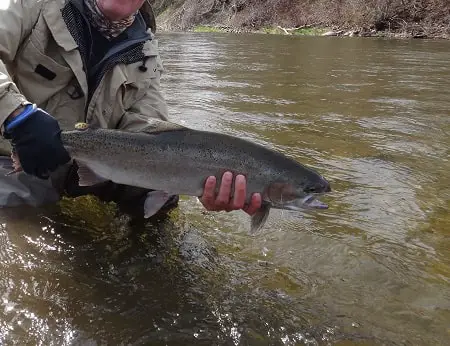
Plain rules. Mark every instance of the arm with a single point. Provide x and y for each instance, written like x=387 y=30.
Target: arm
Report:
x=15 y=25
x=151 y=106
x=34 y=134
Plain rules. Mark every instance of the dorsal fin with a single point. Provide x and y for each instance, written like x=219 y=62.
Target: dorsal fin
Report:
x=158 y=126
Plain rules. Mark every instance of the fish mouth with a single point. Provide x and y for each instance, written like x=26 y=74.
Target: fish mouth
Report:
x=311 y=201
x=308 y=202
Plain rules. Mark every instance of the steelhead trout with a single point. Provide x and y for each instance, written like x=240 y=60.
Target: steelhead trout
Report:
x=175 y=160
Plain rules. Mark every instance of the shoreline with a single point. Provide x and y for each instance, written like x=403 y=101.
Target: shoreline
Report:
x=319 y=31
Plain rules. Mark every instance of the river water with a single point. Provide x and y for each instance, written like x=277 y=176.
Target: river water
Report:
x=371 y=115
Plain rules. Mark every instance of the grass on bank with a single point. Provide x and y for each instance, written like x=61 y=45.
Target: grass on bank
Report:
x=205 y=28
x=310 y=31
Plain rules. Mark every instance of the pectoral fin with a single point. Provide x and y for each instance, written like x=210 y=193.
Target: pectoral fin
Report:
x=86 y=177
x=259 y=218
x=154 y=201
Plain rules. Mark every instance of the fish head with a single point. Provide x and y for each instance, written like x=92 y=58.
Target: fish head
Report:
x=298 y=194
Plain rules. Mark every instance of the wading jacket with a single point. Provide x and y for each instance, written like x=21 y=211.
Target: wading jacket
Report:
x=47 y=58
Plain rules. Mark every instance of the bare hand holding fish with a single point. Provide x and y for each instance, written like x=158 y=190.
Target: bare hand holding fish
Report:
x=223 y=201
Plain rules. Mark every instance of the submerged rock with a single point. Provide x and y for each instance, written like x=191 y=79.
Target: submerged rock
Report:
x=195 y=249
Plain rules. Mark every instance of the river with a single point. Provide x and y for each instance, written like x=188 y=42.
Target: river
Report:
x=371 y=115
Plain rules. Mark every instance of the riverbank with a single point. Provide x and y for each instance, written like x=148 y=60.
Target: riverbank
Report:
x=372 y=18
x=323 y=31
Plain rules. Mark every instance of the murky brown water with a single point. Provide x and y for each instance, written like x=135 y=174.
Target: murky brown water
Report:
x=372 y=115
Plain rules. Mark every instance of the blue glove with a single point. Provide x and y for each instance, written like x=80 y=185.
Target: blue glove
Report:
x=36 y=138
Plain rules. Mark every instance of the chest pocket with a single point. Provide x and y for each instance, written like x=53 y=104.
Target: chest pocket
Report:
x=41 y=71
x=140 y=76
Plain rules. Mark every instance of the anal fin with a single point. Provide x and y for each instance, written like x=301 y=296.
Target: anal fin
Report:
x=259 y=218
x=154 y=201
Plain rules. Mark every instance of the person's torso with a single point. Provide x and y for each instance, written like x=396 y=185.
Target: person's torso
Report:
x=67 y=69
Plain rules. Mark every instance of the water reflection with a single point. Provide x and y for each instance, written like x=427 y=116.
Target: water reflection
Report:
x=152 y=283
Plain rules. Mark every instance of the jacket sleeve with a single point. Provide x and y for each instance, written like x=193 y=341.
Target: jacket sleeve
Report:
x=151 y=106
x=16 y=22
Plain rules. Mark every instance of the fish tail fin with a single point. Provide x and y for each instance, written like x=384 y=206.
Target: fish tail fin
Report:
x=259 y=218
x=13 y=172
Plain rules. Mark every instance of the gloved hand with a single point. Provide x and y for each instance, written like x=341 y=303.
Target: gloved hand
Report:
x=35 y=137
